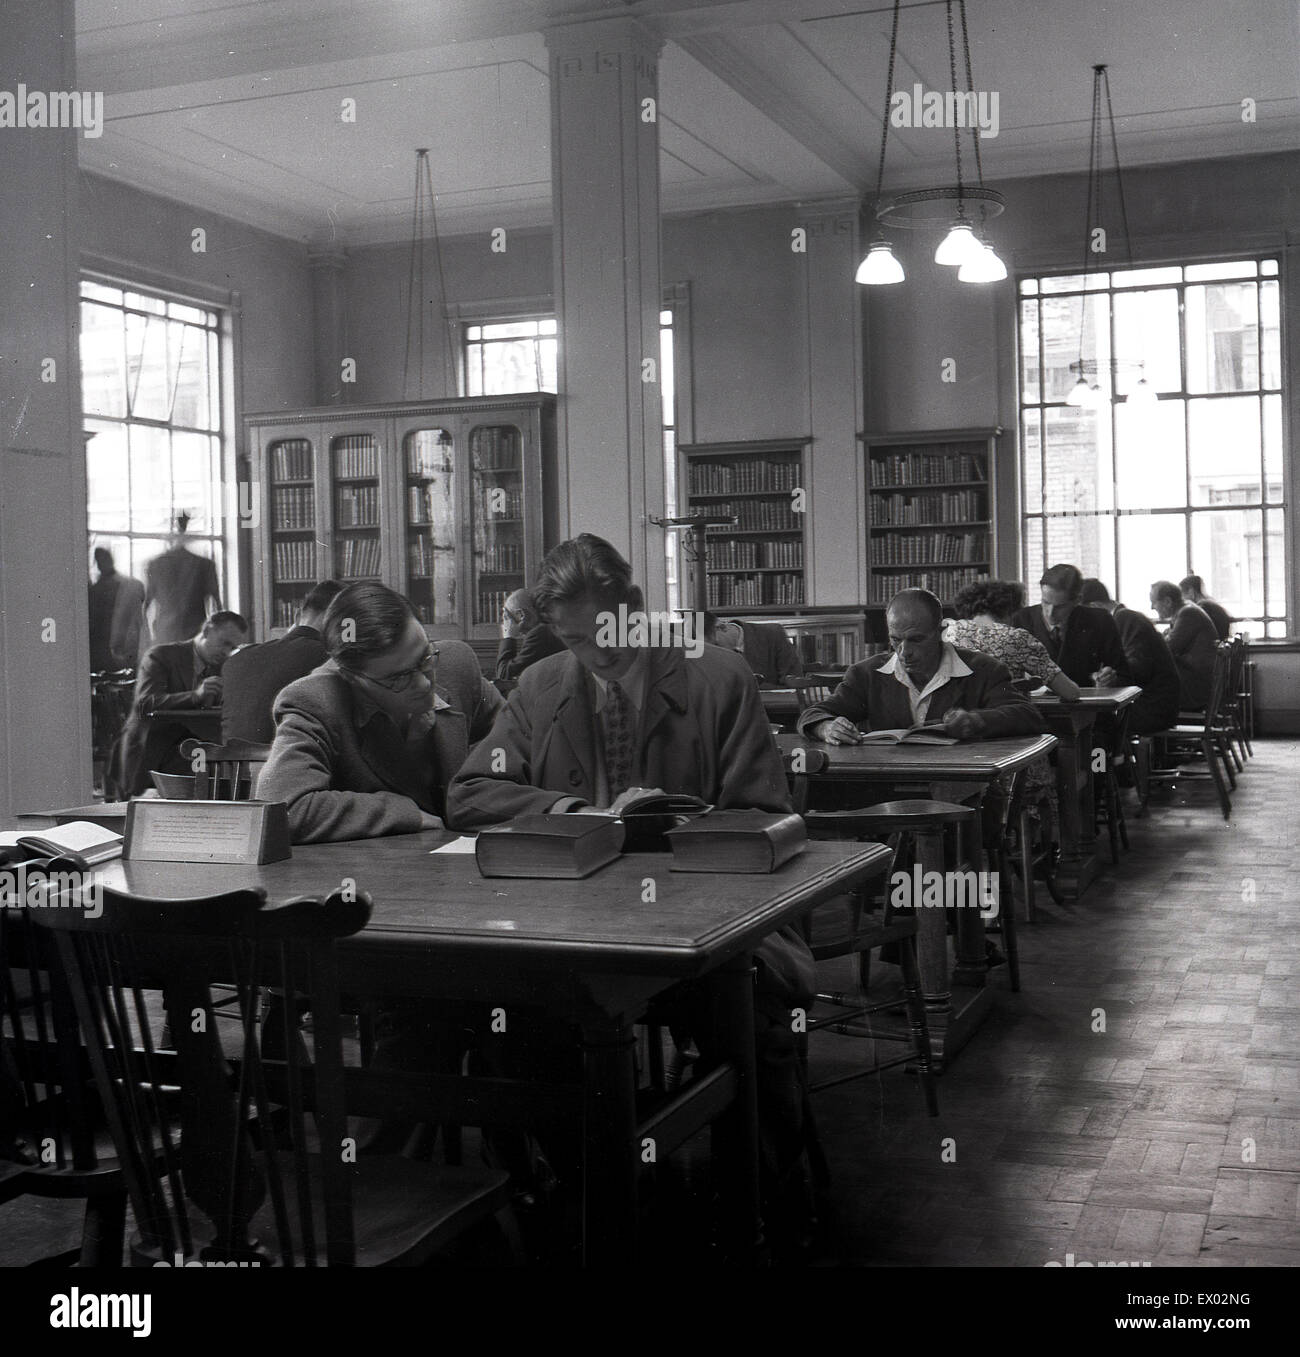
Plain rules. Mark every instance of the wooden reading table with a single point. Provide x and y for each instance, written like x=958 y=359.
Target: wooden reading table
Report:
x=592 y=952
x=1073 y=724
x=957 y=996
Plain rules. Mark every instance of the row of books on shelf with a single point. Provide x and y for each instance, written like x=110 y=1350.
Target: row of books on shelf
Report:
x=738 y=554
x=495 y=448
x=489 y=605
x=420 y=554
x=291 y=460
x=505 y=558
x=743 y=475
x=945 y=583
x=294 y=507
x=358 y=557
x=756 y=515
x=294 y=560
x=827 y=650
x=940 y=506
x=356 y=454
x=284 y=611
x=927 y=468
x=429 y=504
x=928 y=548
x=357 y=506
x=755 y=591
x=498 y=502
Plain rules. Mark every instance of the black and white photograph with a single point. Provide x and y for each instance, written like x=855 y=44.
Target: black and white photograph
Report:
x=649 y=634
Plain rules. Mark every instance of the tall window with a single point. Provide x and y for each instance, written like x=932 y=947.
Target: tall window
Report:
x=151 y=394
x=1190 y=483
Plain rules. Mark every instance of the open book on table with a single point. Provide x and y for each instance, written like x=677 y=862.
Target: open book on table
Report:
x=932 y=733
x=85 y=843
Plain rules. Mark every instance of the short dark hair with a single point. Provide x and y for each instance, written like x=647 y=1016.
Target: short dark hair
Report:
x=922 y=598
x=320 y=596
x=999 y=598
x=1167 y=589
x=585 y=566
x=225 y=619
x=379 y=617
x=1067 y=578
x=1192 y=582
x=1094 y=591
x=103 y=558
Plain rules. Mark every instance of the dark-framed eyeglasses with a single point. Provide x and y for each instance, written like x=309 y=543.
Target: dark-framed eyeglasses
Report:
x=402 y=680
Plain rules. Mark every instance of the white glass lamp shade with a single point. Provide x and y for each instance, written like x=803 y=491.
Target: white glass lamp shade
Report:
x=879 y=266
x=1080 y=394
x=958 y=246
x=985 y=268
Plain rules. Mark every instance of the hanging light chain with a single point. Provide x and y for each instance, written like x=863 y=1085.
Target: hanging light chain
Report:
x=956 y=122
x=889 y=99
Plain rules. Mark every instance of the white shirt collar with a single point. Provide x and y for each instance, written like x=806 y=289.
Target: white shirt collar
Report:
x=951 y=666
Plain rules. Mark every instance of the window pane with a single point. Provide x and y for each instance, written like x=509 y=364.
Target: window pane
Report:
x=148 y=390
x=1077 y=465
x=1150 y=460
x=1151 y=547
x=548 y=327
x=1268 y=267
x=151 y=480
x=1033 y=562
x=1201 y=273
x=108 y=482
x=1222 y=338
x=512 y=329
x=1273 y=448
x=1031 y=442
x=548 y=352
x=1079 y=541
x=1145 y=277
x=177 y=311
x=103 y=362
x=98 y=292
x=1275 y=526
x=1270 y=325
x=1030 y=386
x=195 y=488
x=143 y=303
x=189 y=358
x=1228 y=552
x=1029 y=287
x=1075 y=282
x=1146 y=341
x=666 y=385
x=1061 y=320
x=1224 y=436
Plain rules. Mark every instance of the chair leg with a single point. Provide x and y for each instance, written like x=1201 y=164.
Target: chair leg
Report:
x=103 y=1232
x=1026 y=864
x=918 y=1022
x=1142 y=774
x=1007 y=899
x=1220 y=786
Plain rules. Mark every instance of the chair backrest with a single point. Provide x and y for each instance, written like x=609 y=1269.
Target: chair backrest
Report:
x=235 y=1138
x=1218 y=684
x=225 y=772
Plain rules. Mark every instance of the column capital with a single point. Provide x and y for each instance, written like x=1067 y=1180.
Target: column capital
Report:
x=596 y=46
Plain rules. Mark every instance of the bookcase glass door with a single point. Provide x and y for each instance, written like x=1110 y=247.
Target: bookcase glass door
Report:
x=291 y=462
x=354 y=466
x=497 y=559
x=431 y=524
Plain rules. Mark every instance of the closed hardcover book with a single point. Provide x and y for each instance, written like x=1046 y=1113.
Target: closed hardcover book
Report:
x=551 y=846
x=737 y=841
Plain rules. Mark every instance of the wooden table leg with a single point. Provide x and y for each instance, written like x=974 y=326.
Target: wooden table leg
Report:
x=609 y=1204
x=1078 y=863
x=735 y=1133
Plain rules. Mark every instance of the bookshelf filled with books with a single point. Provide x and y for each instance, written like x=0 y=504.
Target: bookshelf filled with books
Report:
x=756 y=564
x=451 y=503
x=930 y=511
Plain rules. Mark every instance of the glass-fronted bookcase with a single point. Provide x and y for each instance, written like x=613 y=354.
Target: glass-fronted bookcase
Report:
x=451 y=503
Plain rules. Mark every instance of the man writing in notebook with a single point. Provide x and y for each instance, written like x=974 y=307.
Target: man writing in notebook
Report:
x=1083 y=641
x=923 y=681
x=584 y=726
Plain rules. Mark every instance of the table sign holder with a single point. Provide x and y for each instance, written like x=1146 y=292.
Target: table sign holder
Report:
x=247 y=832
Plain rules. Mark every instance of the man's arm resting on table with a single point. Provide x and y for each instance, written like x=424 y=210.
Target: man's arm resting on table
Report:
x=300 y=773
x=152 y=692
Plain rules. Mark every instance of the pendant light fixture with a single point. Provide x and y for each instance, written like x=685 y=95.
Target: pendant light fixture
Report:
x=424 y=218
x=952 y=206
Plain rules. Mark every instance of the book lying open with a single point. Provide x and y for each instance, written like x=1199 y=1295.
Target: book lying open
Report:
x=923 y=734
x=85 y=843
x=737 y=841
x=551 y=846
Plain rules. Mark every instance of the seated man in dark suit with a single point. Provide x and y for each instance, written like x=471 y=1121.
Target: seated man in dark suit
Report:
x=366 y=744
x=254 y=675
x=1150 y=665
x=1083 y=641
x=767 y=649
x=179 y=674
x=584 y=726
x=1191 y=639
x=923 y=680
x=525 y=638
x=1193 y=587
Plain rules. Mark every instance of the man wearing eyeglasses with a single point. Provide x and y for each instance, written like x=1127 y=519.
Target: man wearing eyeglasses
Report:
x=366 y=744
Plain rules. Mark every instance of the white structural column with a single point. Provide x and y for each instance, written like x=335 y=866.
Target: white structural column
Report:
x=836 y=565
x=44 y=634
x=605 y=201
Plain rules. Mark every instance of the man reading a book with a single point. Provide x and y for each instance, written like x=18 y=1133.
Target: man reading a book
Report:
x=585 y=726
x=923 y=681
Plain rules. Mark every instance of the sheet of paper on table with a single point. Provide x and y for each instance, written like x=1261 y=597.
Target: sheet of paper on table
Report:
x=459 y=845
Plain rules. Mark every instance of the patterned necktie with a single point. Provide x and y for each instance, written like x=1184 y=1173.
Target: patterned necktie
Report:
x=619 y=739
